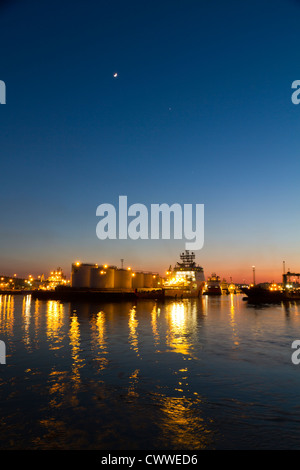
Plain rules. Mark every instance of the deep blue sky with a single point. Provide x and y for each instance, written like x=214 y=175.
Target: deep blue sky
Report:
x=201 y=112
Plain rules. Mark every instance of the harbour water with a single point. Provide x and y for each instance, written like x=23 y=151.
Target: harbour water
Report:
x=208 y=373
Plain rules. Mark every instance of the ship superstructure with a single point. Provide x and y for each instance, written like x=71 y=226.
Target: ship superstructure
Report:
x=213 y=285
x=186 y=278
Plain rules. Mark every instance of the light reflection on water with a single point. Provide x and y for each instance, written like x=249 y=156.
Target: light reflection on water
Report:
x=194 y=374
x=99 y=340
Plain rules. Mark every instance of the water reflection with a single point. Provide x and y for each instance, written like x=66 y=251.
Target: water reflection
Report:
x=77 y=361
x=99 y=340
x=291 y=306
x=37 y=319
x=26 y=315
x=133 y=382
x=57 y=388
x=233 y=323
x=133 y=335
x=55 y=323
x=182 y=425
x=155 y=312
x=182 y=322
x=163 y=374
x=7 y=314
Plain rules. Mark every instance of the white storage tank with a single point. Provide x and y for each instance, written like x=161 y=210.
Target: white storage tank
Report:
x=148 y=280
x=95 y=282
x=156 y=280
x=123 y=279
x=81 y=275
x=137 y=280
x=109 y=278
x=102 y=278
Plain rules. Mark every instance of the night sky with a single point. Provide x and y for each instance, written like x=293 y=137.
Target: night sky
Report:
x=200 y=112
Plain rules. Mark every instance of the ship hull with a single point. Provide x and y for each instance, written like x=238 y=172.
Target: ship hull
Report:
x=178 y=293
x=260 y=295
x=213 y=291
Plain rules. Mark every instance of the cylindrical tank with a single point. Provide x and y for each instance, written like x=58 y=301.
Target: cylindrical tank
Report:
x=138 y=280
x=81 y=275
x=155 y=280
x=102 y=278
x=109 y=278
x=123 y=279
x=95 y=282
x=148 y=280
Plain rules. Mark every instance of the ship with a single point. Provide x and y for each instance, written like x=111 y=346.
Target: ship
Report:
x=263 y=294
x=224 y=286
x=232 y=288
x=213 y=285
x=274 y=293
x=186 y=279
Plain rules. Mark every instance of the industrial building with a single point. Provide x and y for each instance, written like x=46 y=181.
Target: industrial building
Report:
x=104 y=277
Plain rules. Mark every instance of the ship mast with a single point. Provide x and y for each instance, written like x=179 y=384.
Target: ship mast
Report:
x=188 y=259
